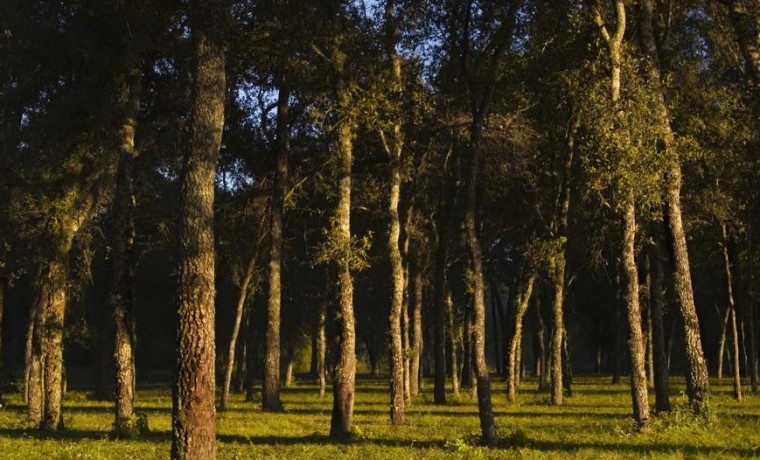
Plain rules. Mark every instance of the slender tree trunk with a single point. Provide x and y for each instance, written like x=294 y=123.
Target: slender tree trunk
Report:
x=628 y=252
x=288 y=381
x=558 y=275
x=33 y=393
x=466 y=365
x=345 y=371
x=416 y=339
x=495 y=315
x=635 y=338
x=732 y=310
x=239 y=310
x=441 y=287
x=751 y=314
x=483 y=381
x=722 y=341
x=543 y=366
x=193 y=411
x=322 y=339
x=523 y=300
x=697 y=383
x=617 y=359
x=454 y=340
x=252 y=358
x=270 y=398
x=661 y=377
x=567 y=367
x=121 y=298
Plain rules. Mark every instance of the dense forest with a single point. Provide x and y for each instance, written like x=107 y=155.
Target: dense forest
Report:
x=455 y=194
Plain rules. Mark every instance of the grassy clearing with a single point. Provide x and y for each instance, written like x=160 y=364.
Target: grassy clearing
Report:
x=594 y=423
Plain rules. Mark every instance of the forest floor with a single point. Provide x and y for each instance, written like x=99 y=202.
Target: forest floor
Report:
x=594 y=423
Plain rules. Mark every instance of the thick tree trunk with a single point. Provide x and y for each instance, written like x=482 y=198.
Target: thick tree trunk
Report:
x=697 y=383
x=270 y=398
x=732 y=311
x=193 y=411
x=345 y=370
x=524 y=294
x=229 y=365
x=635 y=337
x=661 y=377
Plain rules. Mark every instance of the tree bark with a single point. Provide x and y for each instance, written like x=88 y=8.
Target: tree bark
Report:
x=121 y=298
x=523 y=301
x=732 y=311
x=558 y=275
x=454 y=340
x=270 y=398
x=635 y=337
x=322 y=339
x=416 y=339
x=628 y=250
x=345 y=370
x=193 y=411
x=697 y=383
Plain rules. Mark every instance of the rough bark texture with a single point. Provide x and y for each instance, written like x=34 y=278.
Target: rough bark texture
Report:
x=661 y=377
x=270 y=398
x=697 y=384
x=193 y=411
x=732 y=310
x=635 y=336
x=557 y=273
x=523 y=301
x=345 y=369
x=454 y=339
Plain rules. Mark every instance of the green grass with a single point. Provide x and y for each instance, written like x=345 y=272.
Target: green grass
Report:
x=594 y=423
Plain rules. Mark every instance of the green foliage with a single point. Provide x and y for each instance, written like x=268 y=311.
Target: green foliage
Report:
x=624 y=150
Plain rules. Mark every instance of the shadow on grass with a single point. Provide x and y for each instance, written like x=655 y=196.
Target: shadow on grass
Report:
x=316 y=439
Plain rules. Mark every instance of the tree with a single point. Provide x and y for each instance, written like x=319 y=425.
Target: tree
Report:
x=193 y=411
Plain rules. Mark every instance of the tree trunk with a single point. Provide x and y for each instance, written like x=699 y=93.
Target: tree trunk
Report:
x=543 y=365
x=252 y=358
x=485 y=408
x=345 y=371
x=193 y=411
x=322 y=339
x=270 y=398
x=628 y=250
x=288 y=381
x=697 y=383
x=732 y=311
x=661 y=377
x=567 y=367
x=558 y=275
x=751 y=314
x=121 y=297
x=722 y=342
x=466 y=365
x=635 y=337
x=523 y=300
x=454 y=340
x=495 y=316
x=416 y=339
x=239 y=310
